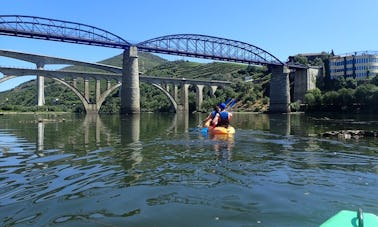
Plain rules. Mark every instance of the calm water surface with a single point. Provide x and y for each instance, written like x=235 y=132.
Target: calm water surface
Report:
x=159 y=170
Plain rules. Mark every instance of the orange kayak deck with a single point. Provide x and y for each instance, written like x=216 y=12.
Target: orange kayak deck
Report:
x=222 y=130
x=219 y=130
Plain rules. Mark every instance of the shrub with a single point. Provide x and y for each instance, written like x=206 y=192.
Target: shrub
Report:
x=295 y=106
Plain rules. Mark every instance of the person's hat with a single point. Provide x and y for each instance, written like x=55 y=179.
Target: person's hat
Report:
x=222 y=106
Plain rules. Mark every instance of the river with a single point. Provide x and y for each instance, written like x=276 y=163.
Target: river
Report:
x=160 y=170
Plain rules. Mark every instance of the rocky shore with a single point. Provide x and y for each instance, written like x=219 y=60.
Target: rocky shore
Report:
x=350 y=134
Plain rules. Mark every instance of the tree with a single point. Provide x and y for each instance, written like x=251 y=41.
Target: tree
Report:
x=330 y=98
x=374 y=100
x=301 y=59
x=350 y=83
x=309 y=98
x=313 y=97
x=374 y=80
x=364 y=93
x=339 y=83
x=317 y=61
x=346 y=96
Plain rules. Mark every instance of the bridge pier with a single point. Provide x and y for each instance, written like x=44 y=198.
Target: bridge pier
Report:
x=184 y=97
x=279 y=90
x=213 y=90
x=91 y=108
x=175 y=92
x=304 y=80
x=86 y=89
x=40 y=87
x=130 y=94
x=98 y=90
x=199 y=96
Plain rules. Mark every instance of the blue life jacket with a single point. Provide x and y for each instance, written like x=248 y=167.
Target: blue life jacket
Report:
x=213 y=114
x=223 y=120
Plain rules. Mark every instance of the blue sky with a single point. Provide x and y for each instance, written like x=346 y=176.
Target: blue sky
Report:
x=282 y=28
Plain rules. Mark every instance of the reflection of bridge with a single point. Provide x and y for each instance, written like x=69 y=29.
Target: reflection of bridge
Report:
x=113 y=78
x=95 y=130
x=190 y=45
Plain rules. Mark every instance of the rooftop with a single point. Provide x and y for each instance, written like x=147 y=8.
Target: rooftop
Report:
x=358 y=53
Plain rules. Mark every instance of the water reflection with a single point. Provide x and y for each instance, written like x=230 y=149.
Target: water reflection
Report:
x=119 y=169
x=49 y=133
x=54 y=131
x=130 y=129
x=96 y=130
x=223 y=145
x=280 y=124
x=40 y=136
x=131 y=152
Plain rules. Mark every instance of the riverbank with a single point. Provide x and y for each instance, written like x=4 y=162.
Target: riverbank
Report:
x=36 y=113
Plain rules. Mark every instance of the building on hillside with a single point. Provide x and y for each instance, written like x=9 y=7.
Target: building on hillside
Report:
x=309 y=56
x=358 y=65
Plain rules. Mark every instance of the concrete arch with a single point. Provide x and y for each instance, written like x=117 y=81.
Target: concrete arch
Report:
x=115 y=87
x=5 y=78
x=76 y=91
x=45 y=60
x=88 y=106
x=104 y=95
x=173 y=101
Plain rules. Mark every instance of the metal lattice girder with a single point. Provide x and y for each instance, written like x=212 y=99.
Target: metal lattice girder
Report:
x=190 y=45
x=58 y=30
x=194 y=45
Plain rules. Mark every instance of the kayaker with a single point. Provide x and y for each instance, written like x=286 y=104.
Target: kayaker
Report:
x=223 y=118
x=209 y=119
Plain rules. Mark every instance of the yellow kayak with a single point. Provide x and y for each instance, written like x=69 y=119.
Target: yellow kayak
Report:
x=222 y=130
x=219 y=129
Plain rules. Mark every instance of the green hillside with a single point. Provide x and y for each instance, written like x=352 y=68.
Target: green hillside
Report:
x=194 y=70
x=61 y=98
x=146 y=62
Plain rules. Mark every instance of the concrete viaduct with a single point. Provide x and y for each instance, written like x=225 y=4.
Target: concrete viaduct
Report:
x=190 y=45
x=113 y=77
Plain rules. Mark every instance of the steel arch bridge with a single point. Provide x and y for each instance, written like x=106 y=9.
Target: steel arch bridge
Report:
x=190 y=45
x=209 y=47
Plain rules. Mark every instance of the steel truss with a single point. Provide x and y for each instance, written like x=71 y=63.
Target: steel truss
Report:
x=190 y=45
x=58 y=30
x=202 y=46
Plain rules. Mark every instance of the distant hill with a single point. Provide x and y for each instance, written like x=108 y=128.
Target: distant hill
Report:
x=146 y=61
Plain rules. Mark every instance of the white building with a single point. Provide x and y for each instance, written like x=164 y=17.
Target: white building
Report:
x=357 y=65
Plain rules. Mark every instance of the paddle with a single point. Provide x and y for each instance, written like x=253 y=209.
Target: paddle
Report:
x=228 y=101
x=232 y=104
